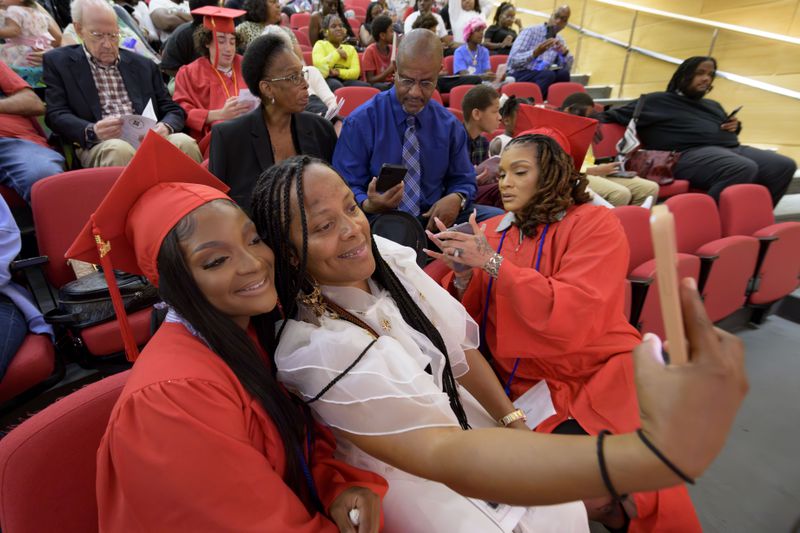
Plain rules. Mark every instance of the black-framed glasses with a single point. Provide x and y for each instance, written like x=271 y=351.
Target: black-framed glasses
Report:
x=99 y=36
x=408 y=84
x=297 y=78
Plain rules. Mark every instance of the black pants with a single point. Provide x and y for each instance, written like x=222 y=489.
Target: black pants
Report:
x=336 y=83
x=445 y=84
x=712 y=168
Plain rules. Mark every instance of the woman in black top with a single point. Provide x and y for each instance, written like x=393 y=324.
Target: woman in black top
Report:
x=243 y=148
x=499 y=37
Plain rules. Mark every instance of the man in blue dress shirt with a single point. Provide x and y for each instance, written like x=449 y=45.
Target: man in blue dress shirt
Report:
x=403 y=126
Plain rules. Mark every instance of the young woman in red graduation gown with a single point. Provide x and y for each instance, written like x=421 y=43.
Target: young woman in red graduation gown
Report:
x=209 y=92
x=202 y=437
x=547 y=286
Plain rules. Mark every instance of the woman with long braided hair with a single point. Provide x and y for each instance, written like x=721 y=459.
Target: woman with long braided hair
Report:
x=387 y=358
x=546 y=281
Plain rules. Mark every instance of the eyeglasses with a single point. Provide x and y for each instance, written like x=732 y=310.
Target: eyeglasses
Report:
x=97 y=36
x=297 y=78
x=408 y=83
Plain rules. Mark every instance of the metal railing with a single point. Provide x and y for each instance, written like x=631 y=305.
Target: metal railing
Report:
x=630 y=48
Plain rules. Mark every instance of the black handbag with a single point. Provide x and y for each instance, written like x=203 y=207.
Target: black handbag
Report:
x=86 y=301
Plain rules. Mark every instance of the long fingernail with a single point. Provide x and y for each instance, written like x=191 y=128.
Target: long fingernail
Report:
x=654 y=346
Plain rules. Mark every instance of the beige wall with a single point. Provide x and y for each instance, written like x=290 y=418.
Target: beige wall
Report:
x=768 y=119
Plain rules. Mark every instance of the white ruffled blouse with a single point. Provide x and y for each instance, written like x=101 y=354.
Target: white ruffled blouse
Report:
x=388 y=391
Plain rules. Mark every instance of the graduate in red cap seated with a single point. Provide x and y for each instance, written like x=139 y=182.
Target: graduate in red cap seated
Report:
x=546 y=283
x=208 y=88
x=203 y=438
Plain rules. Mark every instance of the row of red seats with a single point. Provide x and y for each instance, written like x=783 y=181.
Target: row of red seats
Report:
x=355 y=96
x=737 y=253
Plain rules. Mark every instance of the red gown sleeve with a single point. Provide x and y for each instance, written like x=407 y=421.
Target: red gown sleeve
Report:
x=180 y=456
x=333 y=476
x=193 y=95
x=570 y=307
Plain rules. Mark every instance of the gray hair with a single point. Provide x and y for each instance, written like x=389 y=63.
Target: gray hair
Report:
x=279 y=31
x=77 y=8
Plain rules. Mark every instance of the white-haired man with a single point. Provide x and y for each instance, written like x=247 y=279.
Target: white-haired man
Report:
x=90 y=86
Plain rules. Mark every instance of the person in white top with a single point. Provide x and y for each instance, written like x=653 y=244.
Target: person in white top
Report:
x=462 y=11
x=166 y=15
x=423 y=7
x=386 y=357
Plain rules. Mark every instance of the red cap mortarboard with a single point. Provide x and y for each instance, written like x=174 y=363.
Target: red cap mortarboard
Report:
x=577 y=131
x=218 y=20
x=156 y=190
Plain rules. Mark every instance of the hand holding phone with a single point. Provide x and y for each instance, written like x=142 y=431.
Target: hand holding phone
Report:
x=662 y=228
x=733 y=113
x=385 y=192
x=390 y=176
x=464 y=227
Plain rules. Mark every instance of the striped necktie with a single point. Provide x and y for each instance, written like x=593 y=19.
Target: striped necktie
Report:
x=411 y=160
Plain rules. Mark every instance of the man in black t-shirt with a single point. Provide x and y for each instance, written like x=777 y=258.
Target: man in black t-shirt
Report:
x=711 y=159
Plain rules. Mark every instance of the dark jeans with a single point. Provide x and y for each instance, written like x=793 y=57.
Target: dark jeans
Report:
x=712 y=168
x=543 y=78
x=336 y=83
x=23 y=163
x=13 y=329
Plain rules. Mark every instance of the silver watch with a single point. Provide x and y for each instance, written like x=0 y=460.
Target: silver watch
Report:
x=492 y=266
x=463 y=201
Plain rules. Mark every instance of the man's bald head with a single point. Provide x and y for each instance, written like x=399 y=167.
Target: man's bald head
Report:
x=419 y=47
x=419 y=60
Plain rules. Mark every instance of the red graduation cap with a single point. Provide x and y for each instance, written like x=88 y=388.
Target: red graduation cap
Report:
x=577 y=131
x=156 y=190
x=218 y=20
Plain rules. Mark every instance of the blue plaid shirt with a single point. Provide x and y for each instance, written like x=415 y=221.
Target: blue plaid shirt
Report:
x=521 y=55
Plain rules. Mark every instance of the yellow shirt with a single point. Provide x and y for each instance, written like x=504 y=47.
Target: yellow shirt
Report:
x=326 y=57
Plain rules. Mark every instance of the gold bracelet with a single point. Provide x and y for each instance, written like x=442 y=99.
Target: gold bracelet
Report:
x=512 y=417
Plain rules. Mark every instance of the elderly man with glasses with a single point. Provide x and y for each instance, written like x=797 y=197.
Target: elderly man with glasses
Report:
x=404 y=126
x=91 y=86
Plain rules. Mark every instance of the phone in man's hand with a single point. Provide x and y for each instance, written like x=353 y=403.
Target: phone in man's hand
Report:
x=390 y=176
x=733 y=114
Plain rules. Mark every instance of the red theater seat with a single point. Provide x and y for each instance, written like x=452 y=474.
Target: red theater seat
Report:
x=354 y=97
x=48 y=463
x=747 y=210
x=62 y=204
x=523 y=89
x=727 y=263
x=641 y=268
x=557 y=92
x=33 y=364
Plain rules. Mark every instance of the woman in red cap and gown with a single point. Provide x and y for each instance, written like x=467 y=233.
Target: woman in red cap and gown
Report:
x=545 y=281
x=203 y=438
x=208 y=88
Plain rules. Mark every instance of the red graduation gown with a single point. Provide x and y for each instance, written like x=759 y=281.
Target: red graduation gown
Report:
x=198 y=90
x=188 y=449
x=567 y=324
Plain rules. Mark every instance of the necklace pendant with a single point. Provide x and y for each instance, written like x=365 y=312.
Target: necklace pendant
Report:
x=386 y=325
